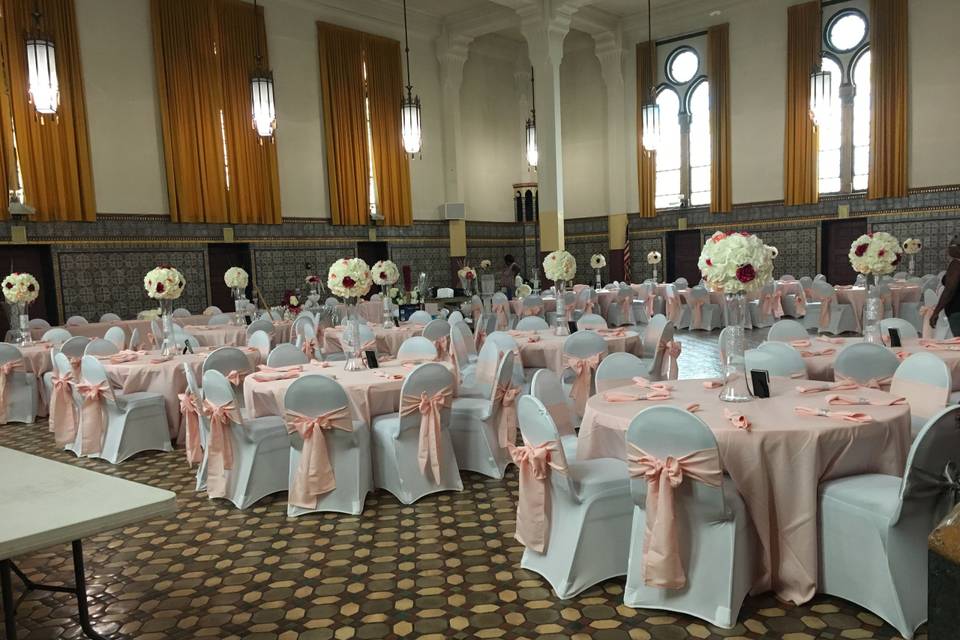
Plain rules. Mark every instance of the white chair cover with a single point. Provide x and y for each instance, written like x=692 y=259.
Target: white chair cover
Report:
x=18 y=387
x=925 y=381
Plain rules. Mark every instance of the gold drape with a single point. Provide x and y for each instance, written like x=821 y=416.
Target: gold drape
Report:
x=190 y=96
x=718 y=73
x=800 y=140
x=8 y=161
x=391 y=167
x=647 y=160
x=254 y=194
x=888 y=99
x=344 y=122
x=55 y=153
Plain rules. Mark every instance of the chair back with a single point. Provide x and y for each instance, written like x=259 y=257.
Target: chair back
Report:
x=194 y=390
x=806 y=283
x=110 y=317
x=313 y=396
x=218 y=390
x=823 y=290
x=181 y=312
x=61 y=364
x=260 y=325
x=12 y=353
x=930 y=298
x=461 y=339
x=117 y=336
x=436 y=329
x=76 y=321
x=504 y=377
x=75 y=346
x=303 y=326
x=212 y=310
x=819 y=277
x=699 y=293
x=488 y=363
x=100 y=347
x=653 y=335
x=537 y=427
x=181 y=337
x=591 y=321
x=225 y=360
x=420 y=317
x=455 y=317
x=428 y=378
x=533 y=301
x=681 y=283
x=286 y=354
x=786 y=330
x=488 y=323
x=776 y=358
x=901 y=275
x=664 y=431
x=503 y=340
x=532 y=323
x=863 y=361
x=56 y=336
x=925 y=381
x=259 y=340
x=38 y=323
x=331 y=301
x=547 y=388
x=499 y=298
x=619 y=370
x=92 y=371
x=787 y=278
x=135 y=340
x=928 y=483
x=584 y=344
x=416 y=349
x=906 y=328
x=583 y=296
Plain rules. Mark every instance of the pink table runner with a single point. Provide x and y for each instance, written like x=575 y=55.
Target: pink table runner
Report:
x=547 y=350
x=777 y=465
x=388 y=340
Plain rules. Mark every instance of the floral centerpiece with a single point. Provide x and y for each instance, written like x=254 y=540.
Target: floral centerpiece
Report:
x=560 y=266
x=385 y=273
x=874 y=255
x=166 y=284
x=911 y=247
x=468 y=278
x=597 y=262
x=524 y=290
x=291 y=302
x=653 y=259
x=485 y=265
x=350 y=279
x=735 y=264
x=20 y=289
x=237 y=279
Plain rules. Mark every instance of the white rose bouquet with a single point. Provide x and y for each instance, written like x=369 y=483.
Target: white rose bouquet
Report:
x=912 y=246
x=385 y=273
x=735 y=262
x=484 y=265
x=236 y=278
x=524 y=290
x=560 y=266
x=20 y=288
x=467 y=273
x=654 y=257
x=164 y=283
x=349 y=278
x=597 y=261
x=875 y=254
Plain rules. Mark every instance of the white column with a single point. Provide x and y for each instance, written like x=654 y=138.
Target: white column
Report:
x=452 y=54
x=609 y=50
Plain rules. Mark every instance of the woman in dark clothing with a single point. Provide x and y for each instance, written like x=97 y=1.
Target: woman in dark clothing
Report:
x=950 y=298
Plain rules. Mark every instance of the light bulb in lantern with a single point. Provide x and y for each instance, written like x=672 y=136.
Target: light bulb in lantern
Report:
x=533 y=155
x=410 y=124
x=262 y=106
x=820 y=96
x=43 y=86
x=651 y=126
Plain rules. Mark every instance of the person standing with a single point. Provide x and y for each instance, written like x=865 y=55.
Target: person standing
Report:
x=950 y=297
x=508 y=276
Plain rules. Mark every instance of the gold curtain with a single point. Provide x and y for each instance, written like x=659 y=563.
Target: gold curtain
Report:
x=189 y=88
x=800 y=140
x=55 y=152
x=888 y=99
x=254 y=193
x=647 y=160
x=391 y=168
x=8 y=161
x=718 y=73
x=344 y=122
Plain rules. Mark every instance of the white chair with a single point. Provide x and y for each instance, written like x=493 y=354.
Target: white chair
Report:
x=838 y=318
x=419 y=317
x=20 y=384
x=260 y=325
x=220 y=319
x=681 y=283
x=474 y=422
x=864 y=362
x=180 y=312
x=776 y=358
x=582 y=353
x=787 y=330
x=763 y=311
x=546 y=388
x=925 y=381
x=400 y=440
x=620 y=313
x=212 y=310
x=704 y=315
x=656 y=338
x=591 y=321
x=906 y=329
x=232 y=363
x=260 y=340
x=302 y=327
x=505 y=342
x=532 y=305
x=874 y=528
x=532 y=323
x=285 y=355
x=715 y=545
x=347 y=451
x=500 y=309
x=438 y=332
x=100 y=347
x=813 y=307
x=38 y=323
x=416 y=349
x=464 y=350
x=477 y=380
x=674 y=308
x=181 y=338
x=117 y=336
x=203 y=424
x=619 y=370
x=794 y=304
x=455 y=317
x=56 y=336
x=135 y=339
x=76 y=321
x=115 y=426
x=585 y=532
x=110 y=317
x=260 y=446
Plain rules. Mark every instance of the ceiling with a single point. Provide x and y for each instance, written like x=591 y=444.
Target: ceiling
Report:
x=444 y=8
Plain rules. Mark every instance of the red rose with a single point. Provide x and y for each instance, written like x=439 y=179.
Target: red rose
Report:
x=469 y=275
x=881 y=253
x=383 y=275
x=896 y=260
x=861 y=249
x=746 y=273
x=160 y=287
x=709 y=262
x=9 y=285
x=348 y=282
x=745 y=234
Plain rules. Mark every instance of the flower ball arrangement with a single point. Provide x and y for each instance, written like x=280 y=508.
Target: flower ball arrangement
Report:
x=20 y=288
x=349 y=278
x=164 y=283
x=654 y=257
x=597 y=261
x=467 y=273
x=484 y=265
x=236 y=278
x=736 y=262
x=774 y=252
x=560 y=266
x=876 y=254
x=385 y=273
x=912 y=246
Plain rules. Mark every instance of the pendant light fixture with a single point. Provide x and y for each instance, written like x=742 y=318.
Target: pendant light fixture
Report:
x=262 y=107
x=533 y=155
x=43 y=86
x=651 y=110
x=821 y=95
x=410 y=105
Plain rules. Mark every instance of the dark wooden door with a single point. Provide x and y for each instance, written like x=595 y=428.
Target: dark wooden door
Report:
x=37 y=261
x=222 y=256
x=683 y=252
x=836 y=238
x=371 y=253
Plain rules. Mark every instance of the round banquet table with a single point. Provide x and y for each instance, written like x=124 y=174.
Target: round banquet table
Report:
x=777 y=465
x=372 y=392
x=388 y=340
x=822 y=352
x=544 y=349
x=150 y=372
x=219 y=335
x=37 y=357
x=856 y=297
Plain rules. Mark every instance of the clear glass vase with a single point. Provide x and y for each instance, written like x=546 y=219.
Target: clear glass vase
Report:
x=387 y=309
x=167 y=344
x=734 y=368
x=239 y=304
x=354 y=354
x=18 y=312
x=561 y=328
x=655 y=273
x=872 y=313
x=599 y=281
x=911 y=264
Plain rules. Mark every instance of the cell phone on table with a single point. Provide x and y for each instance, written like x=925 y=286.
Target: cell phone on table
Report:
x=247 y=318
x=573 y=326
x=761 y=383
x=372 y=359
x=894 y=337
x=187 y=346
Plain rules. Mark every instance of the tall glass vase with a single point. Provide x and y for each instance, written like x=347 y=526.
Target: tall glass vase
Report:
x=734 y=368
x=387 y=311
x=872 y=313
x=239 y=304
x=21 y=320
x=599 y=281
x=167 y=346
x=354 y=355
x=911 y=264
x=561 y=329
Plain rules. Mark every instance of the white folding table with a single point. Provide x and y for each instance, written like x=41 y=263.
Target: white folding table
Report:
x=45 y=503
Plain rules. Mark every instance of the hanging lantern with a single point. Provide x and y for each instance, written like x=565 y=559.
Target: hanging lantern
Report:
x=651 y=126
x=410 y=123
x=821 y=94
x=533 y=155
x=262 y=105
x=43 y=86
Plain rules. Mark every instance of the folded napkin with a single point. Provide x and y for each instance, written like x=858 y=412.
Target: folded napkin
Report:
x=799 y=344
x=848 y=416
x=517 y=333
x=161 y=359
x=272 y=376
x=810 y=353
x=712 y=384
x=533 y=339
x=643 y=383
x=619 y=396
x=939 y=345
x=877 y=402
x=944 y=341
x=387 y=375
x=693 y=407
x=290 y=367
x=124 y=356
x=831 y=340
x=738 y=420
x=901 y=355
x=848 y=385
x=616 y=333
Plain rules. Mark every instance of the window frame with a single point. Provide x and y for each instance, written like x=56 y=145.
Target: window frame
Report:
x=834 y=19
x=672 y=56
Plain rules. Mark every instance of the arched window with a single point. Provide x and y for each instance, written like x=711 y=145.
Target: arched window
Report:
x=861 y=121
x=831 y=133
x=668 y=151
x=699 y=108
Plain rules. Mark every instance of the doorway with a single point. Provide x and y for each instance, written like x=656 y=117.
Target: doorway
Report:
x=372 y=252
x=683 y=252
x=221 y=257
x=836 y=238
x=37 y=260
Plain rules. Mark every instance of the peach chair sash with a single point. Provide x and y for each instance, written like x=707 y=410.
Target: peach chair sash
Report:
x=63 y=413
x=927 y=332
x=429 y=407
x=626 y=306
x=190 y=412
x=648 y=304
x=825 y=303
x=219 y=446
x=235 y=377
x=93 y=421
x=872 y=383
x=6 y=373
x=500 y=309
x=309 y=347
x=583 y=368
x=588 y=306
x=696 y=311
x=673 y=308
x=477 y=311
x=535 y=310
x=505 y=402
x=535 y=463
x=314 y=476
x=671 y=353
x=800 y=304
x=771 y=304
x=442 y=345
x=662 y=565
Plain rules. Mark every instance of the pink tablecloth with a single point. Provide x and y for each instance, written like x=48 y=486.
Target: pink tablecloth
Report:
x=777 y=466
x=219 y=335
x=37 y=355
x=388 y=340
x=856 y=297
x=547 y=350
x=99 y=329
x=166 y=378
x=516 y=306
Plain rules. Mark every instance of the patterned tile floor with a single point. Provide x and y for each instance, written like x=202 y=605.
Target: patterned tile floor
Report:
x=446 y=567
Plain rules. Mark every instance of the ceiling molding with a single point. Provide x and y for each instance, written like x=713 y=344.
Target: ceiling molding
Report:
x=594 y=21
x=480 y=21
x=679 y=11
x=384 y=17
